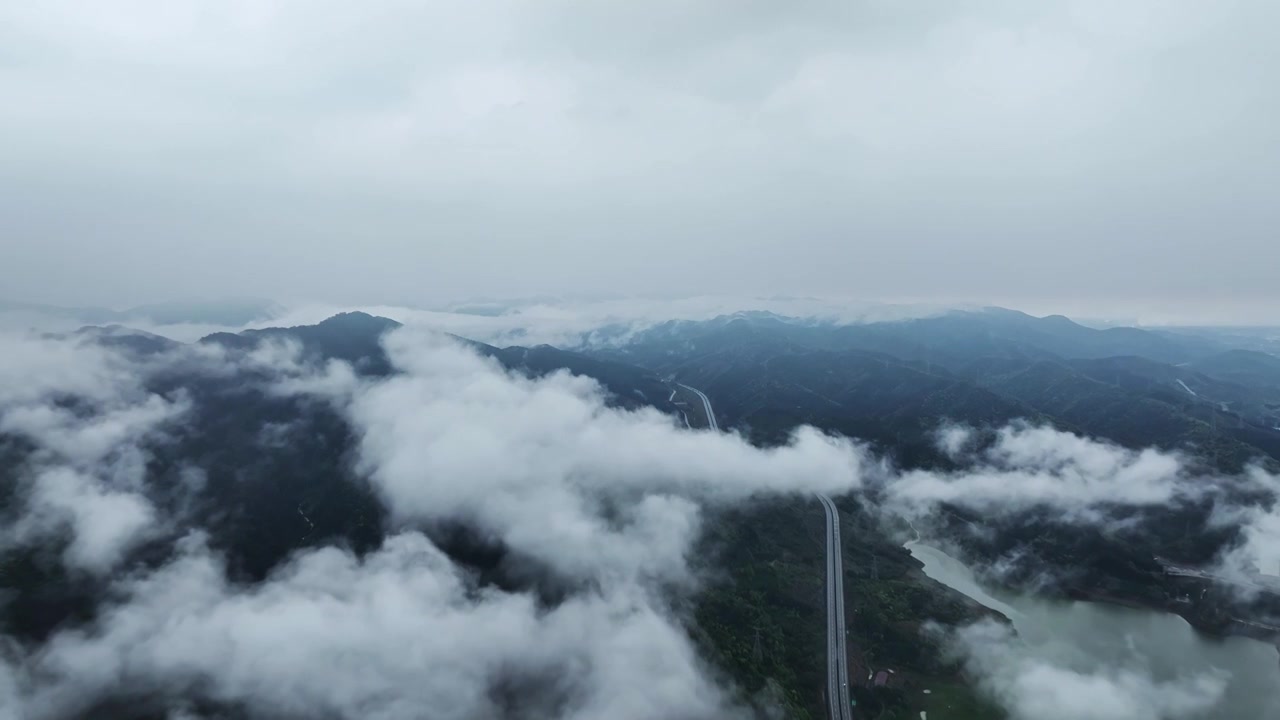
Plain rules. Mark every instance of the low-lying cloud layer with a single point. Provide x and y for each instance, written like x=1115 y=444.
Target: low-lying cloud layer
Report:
x=402 y=633
x=86 y=416
x=563 y=322
x=548 y=468
x=607 y=500
x=1084 y=481
x=1260 y=527
x=1029 y=465
x=1071 y=661
x=1037 y=682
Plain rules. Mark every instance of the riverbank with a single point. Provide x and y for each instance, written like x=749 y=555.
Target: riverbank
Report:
x=1097 y=637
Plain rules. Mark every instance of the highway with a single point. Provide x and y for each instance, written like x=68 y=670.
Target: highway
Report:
x=837 y=645
x=706 y=405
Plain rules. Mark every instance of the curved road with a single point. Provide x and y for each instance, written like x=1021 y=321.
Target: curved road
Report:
x=706 y=405
x=837 y=647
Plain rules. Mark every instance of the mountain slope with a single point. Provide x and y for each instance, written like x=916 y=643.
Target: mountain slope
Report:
x=357 y=338
x=892 y=382
x=1250 y=368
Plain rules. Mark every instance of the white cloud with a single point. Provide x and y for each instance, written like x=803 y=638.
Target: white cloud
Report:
x=398 y=634
x=605 y=499
x=954 y=439
x=1030 y=465
x=91 y=441
x=547 y=467
x=85 y=412
x=105 y=523
x=1259 y=547
x=1039 y=683
x=34 y=367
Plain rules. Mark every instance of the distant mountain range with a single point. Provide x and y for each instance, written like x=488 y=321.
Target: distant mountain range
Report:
x=893 y=381
x=355 y=337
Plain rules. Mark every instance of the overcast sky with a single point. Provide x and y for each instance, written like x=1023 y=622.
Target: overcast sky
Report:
x=1030 y=153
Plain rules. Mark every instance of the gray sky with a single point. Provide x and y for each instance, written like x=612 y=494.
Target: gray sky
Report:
x=1028 y=153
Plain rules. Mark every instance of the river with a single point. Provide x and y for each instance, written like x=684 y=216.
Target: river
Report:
x=1093 y=637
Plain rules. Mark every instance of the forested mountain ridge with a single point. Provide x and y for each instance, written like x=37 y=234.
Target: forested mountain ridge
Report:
x=1136 y=387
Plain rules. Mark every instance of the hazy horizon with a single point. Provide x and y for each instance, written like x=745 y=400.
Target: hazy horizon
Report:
x=604 y=308
x=1078 y=157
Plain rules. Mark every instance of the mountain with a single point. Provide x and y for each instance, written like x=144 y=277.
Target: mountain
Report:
x=1248 y=395
x=262 y=474
x=136 y=342
x=951 y=339
x=628 y=386
x=963 y=335
x=1249 y=368
x=1264 y=339
x=893 y=381
x=1083 y=395
x=356 y=338
x=353 y=337
x=866 y=395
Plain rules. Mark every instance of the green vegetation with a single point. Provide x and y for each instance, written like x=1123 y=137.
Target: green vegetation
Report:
x=763 y=622
x=768 y=564
x=891 y=383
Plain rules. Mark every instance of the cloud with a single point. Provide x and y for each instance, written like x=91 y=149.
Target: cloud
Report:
x=1028 y=466
x=1033 y=491
x=607 y=501
x=35 y=367
x=87 y=417
x=1045 y=683
x=1024 y=469
x=1258 y=548
x=105 y=522
x=569 y=322
x=953 y=440
x=547 y=467
x=400 y=633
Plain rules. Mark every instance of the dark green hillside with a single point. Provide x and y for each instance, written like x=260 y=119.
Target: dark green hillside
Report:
x=858 y=394
x=1249 y=368
x=762 y=618
x=893 y=382
x=950 y=339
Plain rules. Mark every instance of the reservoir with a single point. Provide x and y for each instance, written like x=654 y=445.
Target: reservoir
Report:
x=1116 y=644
